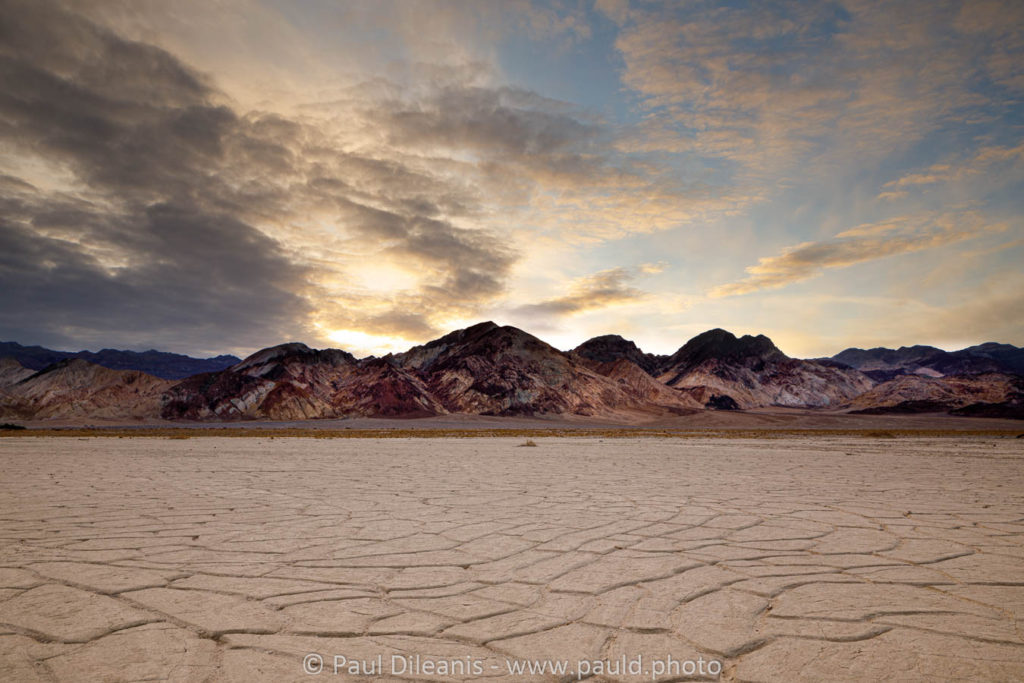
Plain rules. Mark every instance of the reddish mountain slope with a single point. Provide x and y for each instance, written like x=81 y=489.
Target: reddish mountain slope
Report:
x=12 y=372
x=611 y=347
x=492 y=370
x=76 y=389
x=294 y=382
x=754 y=373
x=917 y=393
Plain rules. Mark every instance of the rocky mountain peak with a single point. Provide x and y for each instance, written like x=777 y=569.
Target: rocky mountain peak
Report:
x=271 y=353
x=462 y=336
x=722 y=345
x=611 y=347
x=482 y=339
x=490 y=369
x=293 y=351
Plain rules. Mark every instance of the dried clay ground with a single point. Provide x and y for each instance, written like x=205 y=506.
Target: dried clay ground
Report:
x=800 y=557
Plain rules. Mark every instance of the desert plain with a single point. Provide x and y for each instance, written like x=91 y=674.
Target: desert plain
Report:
x=788 y=557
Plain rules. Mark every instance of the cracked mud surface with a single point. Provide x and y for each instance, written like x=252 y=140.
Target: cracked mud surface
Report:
x=212 y=559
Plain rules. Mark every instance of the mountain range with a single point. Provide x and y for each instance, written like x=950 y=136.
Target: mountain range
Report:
x=883 y=364
x=157 y=363
x=489 y=369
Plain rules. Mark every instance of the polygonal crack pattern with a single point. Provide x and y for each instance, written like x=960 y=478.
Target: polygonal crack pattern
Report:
x=785 y=559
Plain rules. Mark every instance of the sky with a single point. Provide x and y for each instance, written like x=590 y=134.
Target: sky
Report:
x=209 y=177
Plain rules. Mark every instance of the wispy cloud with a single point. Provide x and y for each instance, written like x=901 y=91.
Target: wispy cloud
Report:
x=773 y=86
x=986 y=160
x=599 y=290
x=856 y=245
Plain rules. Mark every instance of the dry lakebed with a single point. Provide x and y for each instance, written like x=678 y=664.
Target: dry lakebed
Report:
x=797 y=558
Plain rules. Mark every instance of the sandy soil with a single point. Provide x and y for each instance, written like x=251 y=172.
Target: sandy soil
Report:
x=788 y=559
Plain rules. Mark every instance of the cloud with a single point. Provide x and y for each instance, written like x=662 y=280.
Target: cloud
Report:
x=428 y=168
x=891 y=196
x=772 y=87
x=616 y=10
x=991 y=160
x=934 y=174
x=856 y=245
x=200 y=176
x=600 y=290
x=185 y=272
x=494 y=122
x=652 y=268
x=1001 y=25
x=145 y=208
x=141 y=241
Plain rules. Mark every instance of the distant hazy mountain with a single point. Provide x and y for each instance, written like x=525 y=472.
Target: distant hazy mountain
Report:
x=884 y=364
x=1010 y=356
x=903 y=360
x=496 y=370
x=157 y=363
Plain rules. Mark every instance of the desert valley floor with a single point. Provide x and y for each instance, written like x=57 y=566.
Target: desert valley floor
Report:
x=806 y=557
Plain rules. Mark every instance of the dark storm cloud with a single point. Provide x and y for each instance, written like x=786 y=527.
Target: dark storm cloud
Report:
x=475 y=267
x=187 y=272
x=143 y=252
x=126 y=116
x=152 y=241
